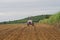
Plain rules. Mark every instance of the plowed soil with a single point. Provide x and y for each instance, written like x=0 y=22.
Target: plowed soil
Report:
x=24 y=32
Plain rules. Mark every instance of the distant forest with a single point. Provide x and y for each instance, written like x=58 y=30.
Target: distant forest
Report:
x=34 y=18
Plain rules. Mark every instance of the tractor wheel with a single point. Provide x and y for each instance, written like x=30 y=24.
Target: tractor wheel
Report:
x=32 y=24
x=27 y=24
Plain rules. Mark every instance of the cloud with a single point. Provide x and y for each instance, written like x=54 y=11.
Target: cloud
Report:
x=29 y=0
x=1 y=14
x=18 y=9
x=18 y=1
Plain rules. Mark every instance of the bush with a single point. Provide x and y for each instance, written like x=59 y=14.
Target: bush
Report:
x=53 y=19
x=44 y=21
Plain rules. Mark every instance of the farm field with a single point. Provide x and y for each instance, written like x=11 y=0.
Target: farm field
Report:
x=24 y=32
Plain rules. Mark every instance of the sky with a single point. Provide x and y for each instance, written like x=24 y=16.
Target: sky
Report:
x=19 y=9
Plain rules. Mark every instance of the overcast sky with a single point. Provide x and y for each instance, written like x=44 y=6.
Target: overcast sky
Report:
x=18 y=9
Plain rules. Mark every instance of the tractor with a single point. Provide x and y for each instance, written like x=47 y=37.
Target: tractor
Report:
x=30 y=22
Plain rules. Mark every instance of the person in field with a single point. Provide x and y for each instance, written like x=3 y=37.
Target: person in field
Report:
x=30 y=22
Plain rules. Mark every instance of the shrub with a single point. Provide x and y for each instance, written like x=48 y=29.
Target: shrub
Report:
x=53 y=19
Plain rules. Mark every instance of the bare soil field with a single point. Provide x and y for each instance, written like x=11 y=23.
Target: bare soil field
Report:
x=24 y=32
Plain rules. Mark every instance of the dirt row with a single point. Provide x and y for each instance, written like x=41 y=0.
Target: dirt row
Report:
x=24 y=32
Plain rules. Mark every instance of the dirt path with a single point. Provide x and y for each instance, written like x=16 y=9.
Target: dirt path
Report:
x=23 y=32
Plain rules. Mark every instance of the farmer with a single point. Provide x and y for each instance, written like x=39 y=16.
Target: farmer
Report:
x=30 y=22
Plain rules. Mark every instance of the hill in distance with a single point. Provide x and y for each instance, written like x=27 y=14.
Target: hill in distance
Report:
x=34 y=18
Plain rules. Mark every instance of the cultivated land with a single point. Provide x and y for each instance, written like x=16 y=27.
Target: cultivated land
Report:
x=23 y=32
